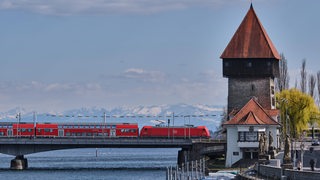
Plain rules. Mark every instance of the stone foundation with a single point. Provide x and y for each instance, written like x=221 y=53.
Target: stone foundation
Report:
x=19 y=163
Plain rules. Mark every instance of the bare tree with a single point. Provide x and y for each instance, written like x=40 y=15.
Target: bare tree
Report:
x=312 y=85
x=303 y=75
x=283 y=80
x=318 y=83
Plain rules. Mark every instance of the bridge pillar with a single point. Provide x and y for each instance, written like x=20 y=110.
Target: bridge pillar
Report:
x=183 y=155
x=192 y=154
x=19 y=163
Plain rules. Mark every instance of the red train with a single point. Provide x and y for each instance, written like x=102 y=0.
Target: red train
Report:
x=99 y=130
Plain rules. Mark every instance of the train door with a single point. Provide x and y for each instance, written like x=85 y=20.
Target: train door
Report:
x=112 y=133
x=9 y=132
x=60 y=133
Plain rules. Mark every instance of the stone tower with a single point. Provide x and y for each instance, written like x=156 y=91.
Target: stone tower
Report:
x=250 y=62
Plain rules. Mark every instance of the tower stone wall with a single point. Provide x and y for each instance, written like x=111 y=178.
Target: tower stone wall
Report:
x=241 y=90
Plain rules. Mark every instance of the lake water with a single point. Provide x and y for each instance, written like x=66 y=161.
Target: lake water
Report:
x=113 y=163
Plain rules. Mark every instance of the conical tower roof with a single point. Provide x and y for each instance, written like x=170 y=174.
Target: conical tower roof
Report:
x=250 y=40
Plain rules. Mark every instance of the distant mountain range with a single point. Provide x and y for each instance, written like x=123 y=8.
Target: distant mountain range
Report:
x=143 y=115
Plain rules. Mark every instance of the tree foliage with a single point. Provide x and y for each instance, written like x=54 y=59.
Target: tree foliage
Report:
x=300 y=110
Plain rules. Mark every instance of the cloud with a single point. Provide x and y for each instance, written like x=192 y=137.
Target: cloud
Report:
x=71 y=7
x=135 y=86
x=143 y=75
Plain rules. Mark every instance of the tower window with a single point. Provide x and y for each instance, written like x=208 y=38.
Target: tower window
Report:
x=268 y=63
x=253 y=87
x=272 y=90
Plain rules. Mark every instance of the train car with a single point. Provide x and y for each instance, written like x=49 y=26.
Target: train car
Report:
x=175 y=132
x=46 y=130
x=23 y=129
x=98 y=130
x=6 y=129
x=127 y=130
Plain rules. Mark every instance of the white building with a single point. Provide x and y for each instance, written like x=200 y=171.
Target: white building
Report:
x=244 y=130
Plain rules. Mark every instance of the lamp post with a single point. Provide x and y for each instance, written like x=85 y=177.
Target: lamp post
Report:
x=302 y=152
x=302 y=146
x=285 y=130
x=18 y=127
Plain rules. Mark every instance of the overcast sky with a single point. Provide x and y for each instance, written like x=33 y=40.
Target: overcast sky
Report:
x=59 y=55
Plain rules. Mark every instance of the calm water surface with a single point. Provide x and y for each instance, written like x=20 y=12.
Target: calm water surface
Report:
x=114 y=164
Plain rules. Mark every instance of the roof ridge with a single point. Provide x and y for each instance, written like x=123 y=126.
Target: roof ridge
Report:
x=252 y=109
x=266 y=36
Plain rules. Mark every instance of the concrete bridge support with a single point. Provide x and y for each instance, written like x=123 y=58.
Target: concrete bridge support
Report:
x=191 y=154
x=19 y=163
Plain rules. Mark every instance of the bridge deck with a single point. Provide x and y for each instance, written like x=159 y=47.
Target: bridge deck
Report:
x=23 y=146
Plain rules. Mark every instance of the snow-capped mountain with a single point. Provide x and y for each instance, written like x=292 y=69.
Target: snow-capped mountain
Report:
x=143 y=115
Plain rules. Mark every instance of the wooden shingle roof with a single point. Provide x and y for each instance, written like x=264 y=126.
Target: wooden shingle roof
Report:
x=252 y=114
x=250 y=40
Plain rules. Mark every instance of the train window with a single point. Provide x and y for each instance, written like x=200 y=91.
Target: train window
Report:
x=133 y=130
x=98 y=127
x=99 y=134
x=76 y=127
x=29 y=130
x=108 y=127
x=89 y=134
x=92 y=127
x=113 y=126
x=1 y=133
x=67 y=134
x=80 y=126
x=83 y=134
x=0 y=126
x=59 y=127
x=65 y=127
x=39 y=130
x=87 y=127
x=78 y=134
x=23 y=130
x=46 y=130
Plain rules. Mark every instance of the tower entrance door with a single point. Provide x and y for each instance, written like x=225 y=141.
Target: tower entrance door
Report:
x=250 y=154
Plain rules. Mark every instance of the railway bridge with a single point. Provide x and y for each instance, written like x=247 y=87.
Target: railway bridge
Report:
x=20 y=146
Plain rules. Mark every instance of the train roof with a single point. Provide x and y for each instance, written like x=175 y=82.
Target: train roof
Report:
x=85 y=123
x=190 y=126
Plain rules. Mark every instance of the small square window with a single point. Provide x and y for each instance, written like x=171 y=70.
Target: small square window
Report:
x=236 y=153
